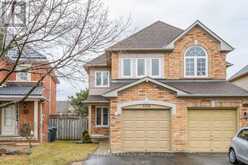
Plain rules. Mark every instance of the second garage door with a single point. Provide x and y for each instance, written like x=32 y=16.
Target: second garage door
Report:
x=211 y=130
x=145 y=130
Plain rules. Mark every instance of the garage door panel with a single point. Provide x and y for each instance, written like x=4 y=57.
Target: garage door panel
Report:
x=151 y=131
x=210 y=130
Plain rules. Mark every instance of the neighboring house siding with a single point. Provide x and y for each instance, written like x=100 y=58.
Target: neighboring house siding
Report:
x=174 y=61
x=242 y=82
x=93 y=90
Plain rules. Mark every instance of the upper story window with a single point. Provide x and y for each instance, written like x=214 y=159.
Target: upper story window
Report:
x=141 y=67
x=195 y=62
x=101 y=78
x=126 y=65
x=22 y=73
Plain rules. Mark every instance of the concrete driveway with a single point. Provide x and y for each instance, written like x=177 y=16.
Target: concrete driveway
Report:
x=159 y=159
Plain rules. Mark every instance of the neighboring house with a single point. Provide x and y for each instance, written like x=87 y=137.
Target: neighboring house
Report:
x=64 y=107
x=39 y=104
x=241 y=78
x=165 y=89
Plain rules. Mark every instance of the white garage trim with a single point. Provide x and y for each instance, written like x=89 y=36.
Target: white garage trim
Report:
x=145 y=102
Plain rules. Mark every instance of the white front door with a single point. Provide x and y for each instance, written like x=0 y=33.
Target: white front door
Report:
x=9 y=120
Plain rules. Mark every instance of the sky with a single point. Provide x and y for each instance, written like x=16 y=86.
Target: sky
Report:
x=228 y=20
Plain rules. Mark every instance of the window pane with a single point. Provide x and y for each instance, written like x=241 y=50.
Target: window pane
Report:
x=155 y=67
x=141 y=67
x=190 y=67
x=98 y=116
x=195 y=51
x=126 y=67
x=105 y=116
x=105 y=77
x=98 y=78
x=201 y=67
x=23 y=75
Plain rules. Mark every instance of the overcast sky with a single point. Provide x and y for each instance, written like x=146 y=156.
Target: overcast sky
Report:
x=229 y=19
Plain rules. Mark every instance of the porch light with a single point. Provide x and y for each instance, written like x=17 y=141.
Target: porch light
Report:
x=245 y=116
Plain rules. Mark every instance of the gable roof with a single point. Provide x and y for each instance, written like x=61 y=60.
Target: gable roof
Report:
x=152 y=37
x=224 y=46
x=114 y=92
x=242 y=72
x=98 y=61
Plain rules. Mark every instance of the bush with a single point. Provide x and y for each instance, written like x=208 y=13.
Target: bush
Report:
x=86 y=137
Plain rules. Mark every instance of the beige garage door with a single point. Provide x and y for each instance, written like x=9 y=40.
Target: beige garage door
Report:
x=211 y=130
x=145 y=130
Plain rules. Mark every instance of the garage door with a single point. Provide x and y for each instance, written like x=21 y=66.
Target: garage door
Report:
x=145 y=130
x=211 y=130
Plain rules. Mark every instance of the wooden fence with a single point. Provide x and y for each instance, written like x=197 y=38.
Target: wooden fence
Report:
x=69 y=127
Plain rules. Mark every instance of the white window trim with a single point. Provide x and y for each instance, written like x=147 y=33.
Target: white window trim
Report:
x=122 y=68
x=159 y=68
x=145 y=66
x=195 y=64
x=20 y=67
x=101 y=126
x=101 y=86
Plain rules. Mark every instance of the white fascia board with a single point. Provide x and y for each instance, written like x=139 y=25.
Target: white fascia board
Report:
x=114 y=93
x=224 y=46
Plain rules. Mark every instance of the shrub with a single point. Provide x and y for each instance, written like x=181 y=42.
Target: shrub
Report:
x=86 y=137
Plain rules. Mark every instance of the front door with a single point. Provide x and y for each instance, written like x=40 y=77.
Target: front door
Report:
x=9 y=120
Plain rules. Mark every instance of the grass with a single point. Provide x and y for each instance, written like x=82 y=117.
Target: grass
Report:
x=57 y=153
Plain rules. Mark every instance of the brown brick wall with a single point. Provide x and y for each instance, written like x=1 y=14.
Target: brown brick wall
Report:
x=174 y=61
x=178 y=120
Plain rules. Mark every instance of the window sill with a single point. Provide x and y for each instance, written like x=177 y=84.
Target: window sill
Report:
x=101 y=126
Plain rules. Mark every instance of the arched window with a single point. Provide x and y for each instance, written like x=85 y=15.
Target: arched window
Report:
x=195 y=62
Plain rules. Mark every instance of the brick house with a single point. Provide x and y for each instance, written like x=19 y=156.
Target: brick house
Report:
x=39 y=104
x=164 y=89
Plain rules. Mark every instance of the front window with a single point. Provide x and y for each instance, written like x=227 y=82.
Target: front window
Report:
x=102 y=117
x=141 y=67
x=243 y=134
x=196 y=62
x=102 y=79
x=22 y=73
x=155 y=67
x=126 y=67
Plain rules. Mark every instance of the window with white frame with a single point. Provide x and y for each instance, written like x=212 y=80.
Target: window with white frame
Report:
x=195 y=62
x=155 y=67
x=102 y=117
x=142 y=67
x=101 y=78
x=126 y=65
x=22 y=73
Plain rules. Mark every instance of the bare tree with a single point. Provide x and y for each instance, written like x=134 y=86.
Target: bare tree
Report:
x=78 y=28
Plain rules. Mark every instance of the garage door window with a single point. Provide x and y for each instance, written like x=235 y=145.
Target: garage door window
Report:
x=102 y=117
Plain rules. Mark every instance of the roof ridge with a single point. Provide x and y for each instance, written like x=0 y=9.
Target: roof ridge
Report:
x=143 y=29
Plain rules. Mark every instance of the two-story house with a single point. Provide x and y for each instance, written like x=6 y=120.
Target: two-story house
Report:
x=35 y=109
x=165 y=89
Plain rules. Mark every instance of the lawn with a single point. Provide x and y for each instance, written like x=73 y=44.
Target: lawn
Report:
x=57 y=153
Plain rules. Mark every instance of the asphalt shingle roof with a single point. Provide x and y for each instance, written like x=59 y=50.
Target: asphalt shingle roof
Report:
x=240 y=73
x=20 y=91
x=156 y=36
x=195 y=87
